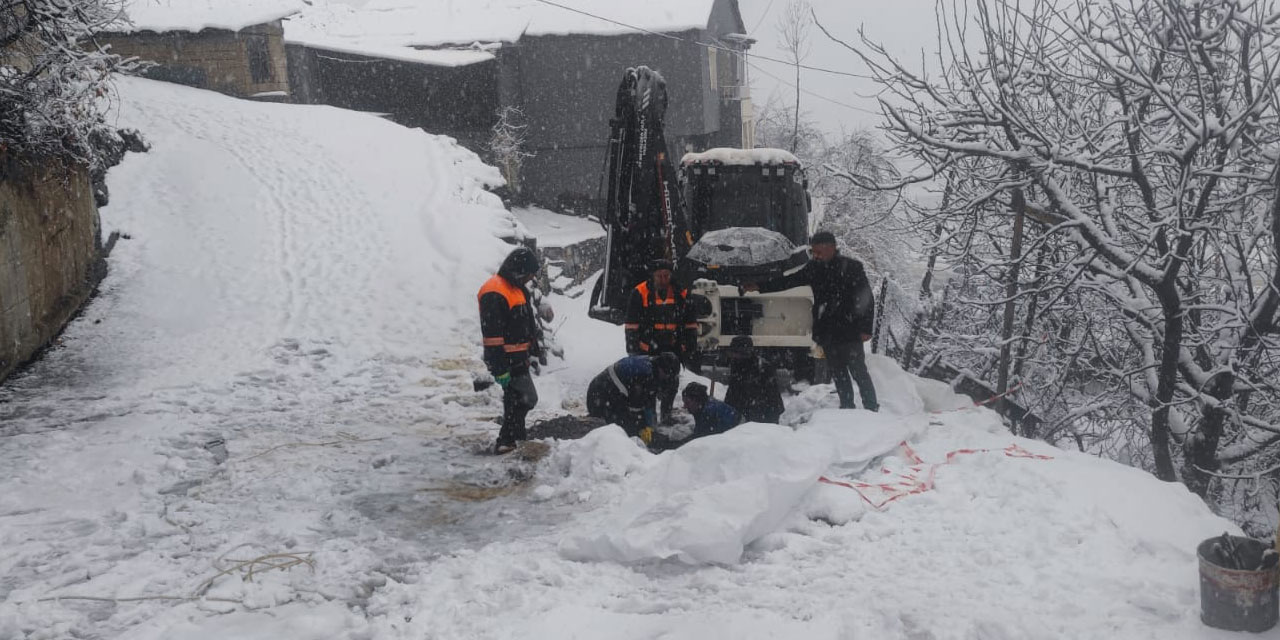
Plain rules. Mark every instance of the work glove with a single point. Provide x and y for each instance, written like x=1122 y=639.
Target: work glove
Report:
x=646 y=434
x=503 y=379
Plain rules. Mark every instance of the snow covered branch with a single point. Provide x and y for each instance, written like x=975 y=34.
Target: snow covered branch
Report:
x=53 y=77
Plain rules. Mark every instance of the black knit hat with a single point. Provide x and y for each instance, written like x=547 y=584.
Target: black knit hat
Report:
x=696 y=391
x=660 y=264
x=822 y=237
x=521 y=262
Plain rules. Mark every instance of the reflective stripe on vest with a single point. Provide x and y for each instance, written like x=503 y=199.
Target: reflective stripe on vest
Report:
x=515 y=348
x=617 y=382
x=643 y=288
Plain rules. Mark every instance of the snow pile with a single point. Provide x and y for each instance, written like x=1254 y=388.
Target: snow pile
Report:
x=557 y=229
x=706 y=501
x=731 y=156
x=195 y=15
x=313 y=232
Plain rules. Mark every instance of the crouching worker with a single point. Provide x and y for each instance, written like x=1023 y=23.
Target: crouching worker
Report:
x=510 y=331
x=753 y=383
x=624 y=393
x=710 y=416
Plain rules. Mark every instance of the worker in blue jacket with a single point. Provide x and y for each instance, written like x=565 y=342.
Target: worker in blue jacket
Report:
x=710 y=416
x=625 y=392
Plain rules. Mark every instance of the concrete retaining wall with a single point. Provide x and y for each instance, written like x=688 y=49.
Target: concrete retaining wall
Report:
x=49 y=255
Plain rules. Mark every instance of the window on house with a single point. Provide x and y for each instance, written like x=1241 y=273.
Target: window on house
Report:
x=259 y=60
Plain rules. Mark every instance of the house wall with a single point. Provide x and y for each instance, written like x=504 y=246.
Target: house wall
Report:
x=458 y=101
x=215 y=59
x=48 y=254
x=567 y=86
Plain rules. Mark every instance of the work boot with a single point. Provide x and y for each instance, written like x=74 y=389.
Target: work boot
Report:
x=503 y=448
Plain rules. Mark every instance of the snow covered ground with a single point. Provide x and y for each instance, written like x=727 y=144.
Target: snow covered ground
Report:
x=557 y=229
x=299 y=282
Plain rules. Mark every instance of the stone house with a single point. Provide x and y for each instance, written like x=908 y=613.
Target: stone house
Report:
x=234 y=47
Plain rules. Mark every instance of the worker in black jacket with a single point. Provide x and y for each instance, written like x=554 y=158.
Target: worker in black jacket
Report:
x=659 y=321
x=510 y=333
x=753 y=384
x=843 y=314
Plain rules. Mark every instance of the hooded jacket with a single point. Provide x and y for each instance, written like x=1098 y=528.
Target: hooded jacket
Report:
x=507 y=320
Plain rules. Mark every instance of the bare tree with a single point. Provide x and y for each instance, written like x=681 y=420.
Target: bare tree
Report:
x=793 y=26
x=508 y=144
x=839 y=170
x=1136 y=142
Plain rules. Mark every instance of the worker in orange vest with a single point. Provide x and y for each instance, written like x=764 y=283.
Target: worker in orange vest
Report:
x=510 y=333
x=659 y=321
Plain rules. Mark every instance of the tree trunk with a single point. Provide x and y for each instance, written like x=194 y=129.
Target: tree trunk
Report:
x=795 y=132
x=1019 y=206
x=1166 y=381
x=1033 y=309
x=1202 y=450
x=926 y=294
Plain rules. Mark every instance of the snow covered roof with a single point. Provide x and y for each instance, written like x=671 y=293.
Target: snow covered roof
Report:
x=384 y=25
x=195 y=15
x=435 y=57
x=730 y=156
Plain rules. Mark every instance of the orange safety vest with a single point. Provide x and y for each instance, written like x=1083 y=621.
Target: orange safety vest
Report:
x=515 y=297
x=643 y=288
x=665 y=312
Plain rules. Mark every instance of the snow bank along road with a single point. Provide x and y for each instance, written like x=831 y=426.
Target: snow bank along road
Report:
x=299 y=283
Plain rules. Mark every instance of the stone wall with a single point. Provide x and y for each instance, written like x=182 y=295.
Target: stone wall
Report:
x=214 y=59
x=574 y=263
x=49 y=255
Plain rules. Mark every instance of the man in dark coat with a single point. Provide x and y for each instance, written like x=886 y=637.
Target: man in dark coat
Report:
x=659 y=321
x=510 y=333
x=624 y=392
x=753 y=385
x=843 y=314
x=710 y=416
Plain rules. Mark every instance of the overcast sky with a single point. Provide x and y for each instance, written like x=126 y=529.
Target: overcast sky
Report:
x=905 y=27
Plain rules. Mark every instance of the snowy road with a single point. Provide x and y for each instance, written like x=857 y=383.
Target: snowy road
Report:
x=299 y=282
x=286 y=282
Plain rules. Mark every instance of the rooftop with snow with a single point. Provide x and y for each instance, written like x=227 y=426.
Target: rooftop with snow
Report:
x=196 y=15
x=383 y=27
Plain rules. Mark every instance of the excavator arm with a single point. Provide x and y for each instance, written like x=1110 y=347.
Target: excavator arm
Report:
x=644 y=216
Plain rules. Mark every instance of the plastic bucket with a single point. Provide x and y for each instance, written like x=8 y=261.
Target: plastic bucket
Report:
x=1234 y=599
